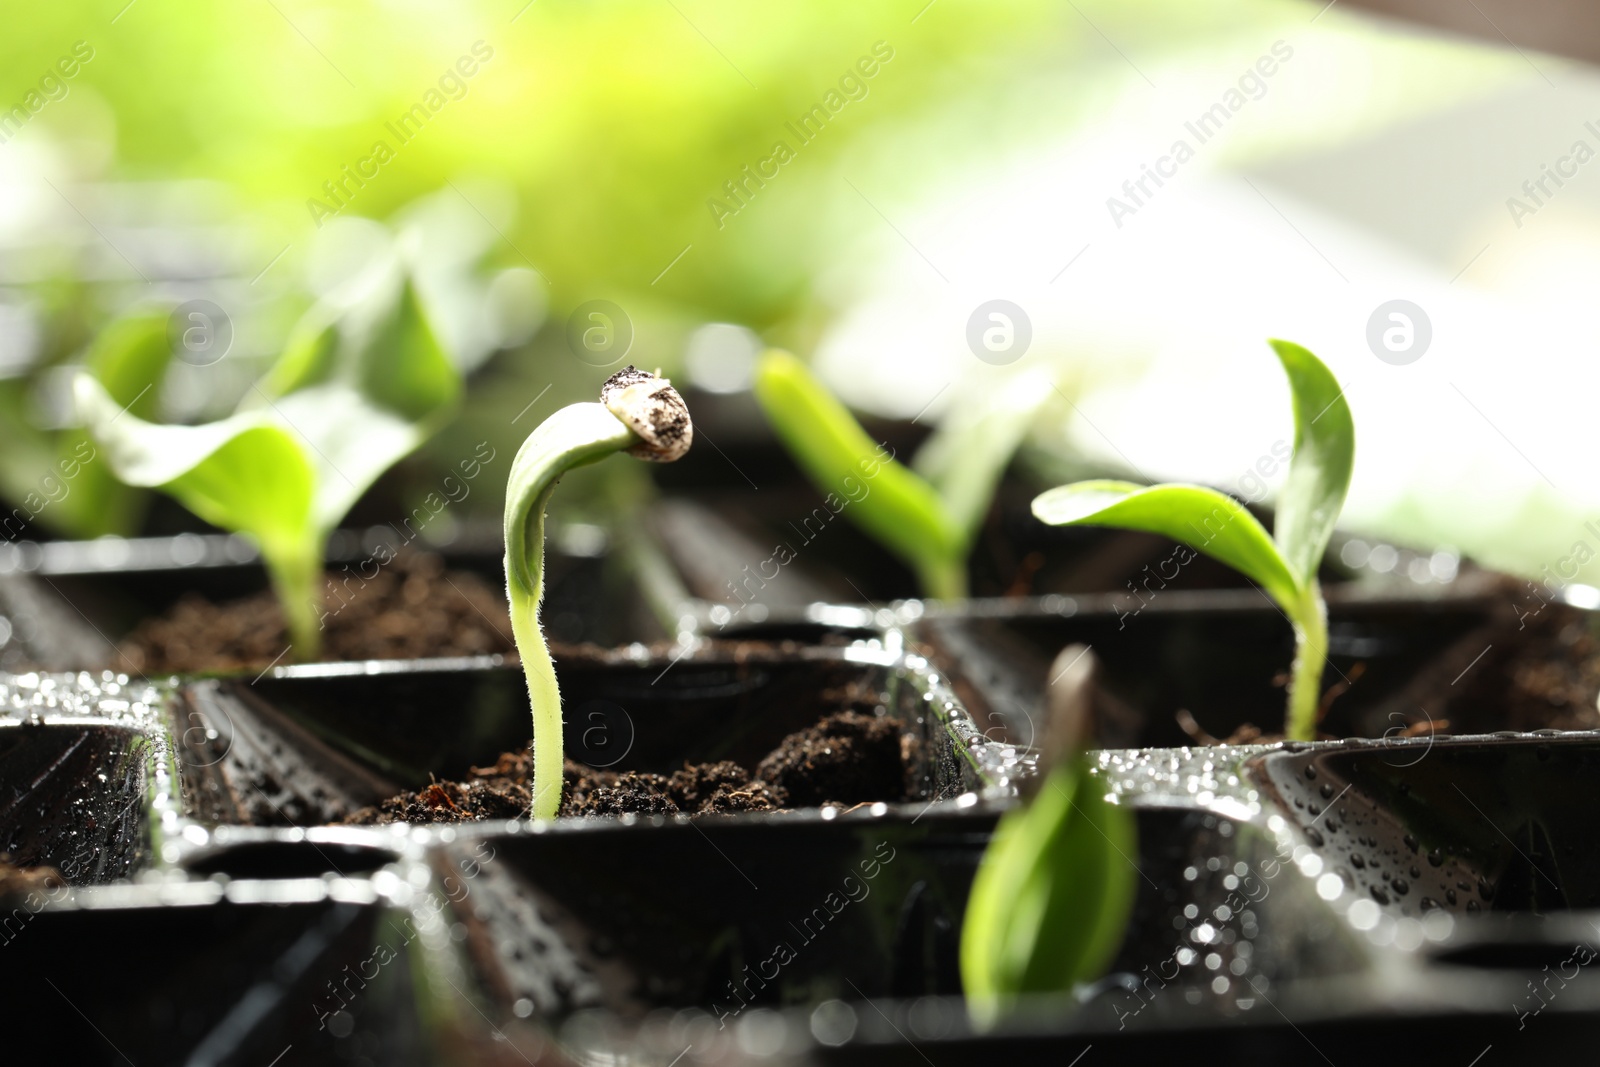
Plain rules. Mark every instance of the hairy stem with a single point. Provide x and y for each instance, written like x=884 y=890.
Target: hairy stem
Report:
x=545 y=696
x=296 y=574
x=573 y=436
x=1310 y=617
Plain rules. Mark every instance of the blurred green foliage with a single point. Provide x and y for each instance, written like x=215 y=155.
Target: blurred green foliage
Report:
x=615 y=128
x=616 y=123
x=597 y=141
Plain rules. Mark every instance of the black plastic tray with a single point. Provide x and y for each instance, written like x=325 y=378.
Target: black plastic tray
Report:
x=1258 y=936
x=65 y=604
x=1398 y=663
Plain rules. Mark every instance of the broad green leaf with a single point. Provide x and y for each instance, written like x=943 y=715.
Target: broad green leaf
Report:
x=338 y=437
x=873 y=490
x=129 y=358
x=1319 y=474
x=1202 y=518
x=967 y=455
x=244 y=473
x=402 y=366
x=309 y=359
x=286 y=468
x=1051 y=900
x=349 y=442
x=385 y=349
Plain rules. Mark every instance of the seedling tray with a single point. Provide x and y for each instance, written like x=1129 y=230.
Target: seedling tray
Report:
x=271 y=914
x=311 y=744
x=65 y=604
x=1257 y=937
x=1445 y=660
x=86 y=782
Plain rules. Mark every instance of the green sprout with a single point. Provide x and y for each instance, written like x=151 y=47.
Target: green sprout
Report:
x=1284 y=564
x=930 y=516
x=638 y=413
x=349 y=397
x=1053 y=893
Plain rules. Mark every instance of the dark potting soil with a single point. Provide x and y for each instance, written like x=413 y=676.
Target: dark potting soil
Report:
x=411 y=609
x=1539 y=671
x=847 y=758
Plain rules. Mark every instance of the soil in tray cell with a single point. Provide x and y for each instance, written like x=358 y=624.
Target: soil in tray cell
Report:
x=847 y=758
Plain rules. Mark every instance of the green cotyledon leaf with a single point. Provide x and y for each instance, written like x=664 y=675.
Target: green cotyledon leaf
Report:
x=403 y=367
x=1050 y=902
x=286 y=468
x=876 y=492
x=1312 y=496
x=244 y=473
x=1202 y=518
x=385 y=348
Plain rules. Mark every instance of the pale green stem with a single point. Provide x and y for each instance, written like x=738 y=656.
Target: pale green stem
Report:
x=296 y=573
x=1310 y=618
x=545 y=696
x=573 y=436
x=942 y=578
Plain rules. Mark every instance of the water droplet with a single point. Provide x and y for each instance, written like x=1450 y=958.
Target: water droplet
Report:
x=1357 y=860
x=1436 y=857
x=1400 y=886
x=1314 y=837
x=1311 y=770
x=1485 y=889
x=1473 y=907
x=1326 y=790
x=1450 y=895
x=1379 y=895
x=1411 y=842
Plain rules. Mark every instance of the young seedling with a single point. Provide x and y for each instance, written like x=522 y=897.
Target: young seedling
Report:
x=1056 y=885
x=1283 y=564
x=339 y=408
x=638 y=413
x=928 y=517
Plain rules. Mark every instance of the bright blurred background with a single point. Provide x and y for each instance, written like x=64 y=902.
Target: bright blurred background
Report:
x=529 y=157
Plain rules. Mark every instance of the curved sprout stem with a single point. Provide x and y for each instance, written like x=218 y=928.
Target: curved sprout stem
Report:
x=640 y=414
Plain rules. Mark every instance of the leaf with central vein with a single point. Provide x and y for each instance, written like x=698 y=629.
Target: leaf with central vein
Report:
x=1202 y=518
x=244 y=473
x=1324 y=452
